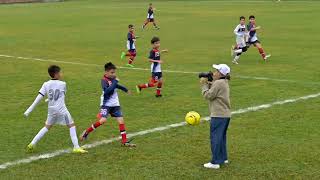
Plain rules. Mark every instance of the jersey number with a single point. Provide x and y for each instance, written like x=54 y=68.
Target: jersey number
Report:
x=54 y=95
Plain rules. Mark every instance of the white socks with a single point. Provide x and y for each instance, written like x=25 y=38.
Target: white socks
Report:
x=236 y=58
x=40 y=134
x=74 y=138
x=238 y=51
x=44 y=130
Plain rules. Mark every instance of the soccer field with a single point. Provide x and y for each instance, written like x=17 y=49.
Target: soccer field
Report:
x=274 y=132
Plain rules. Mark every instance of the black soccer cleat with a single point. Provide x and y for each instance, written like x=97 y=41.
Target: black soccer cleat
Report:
x=158 y=95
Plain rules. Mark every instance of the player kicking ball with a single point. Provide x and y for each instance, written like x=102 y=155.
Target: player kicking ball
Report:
x=131 y=46
x=110 y=104
x=58 y=113
x=253 y=39
x=241 y=47
x=156 y=73
x=150 y=18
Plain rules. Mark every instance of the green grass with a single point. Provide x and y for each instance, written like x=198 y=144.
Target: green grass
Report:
x=278 y=143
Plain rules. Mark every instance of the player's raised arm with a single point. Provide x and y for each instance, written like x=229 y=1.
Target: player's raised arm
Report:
x=41 y=94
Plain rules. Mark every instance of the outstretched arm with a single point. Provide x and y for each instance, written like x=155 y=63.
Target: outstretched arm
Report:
x=123 y=88
x=33 y=105
x=157 y=61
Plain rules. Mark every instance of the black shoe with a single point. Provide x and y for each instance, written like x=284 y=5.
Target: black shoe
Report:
x=84 y=135
x=128 y=144
x=160 y=95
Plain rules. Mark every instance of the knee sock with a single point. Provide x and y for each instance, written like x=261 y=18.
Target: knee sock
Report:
x=40 y=134
x=123 y=133
x=73 y=136
x=158 y=92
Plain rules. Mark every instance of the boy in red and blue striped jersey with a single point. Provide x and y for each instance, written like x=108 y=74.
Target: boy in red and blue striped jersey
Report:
x=110 y=104
x=156 y=72
x=131 y=46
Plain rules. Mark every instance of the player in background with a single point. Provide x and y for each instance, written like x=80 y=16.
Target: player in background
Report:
x=156 y=73
x=58 y=113
x=150 y=17
x=131 y=46
x=110 y=104
x=241 y=35
x=253 y=39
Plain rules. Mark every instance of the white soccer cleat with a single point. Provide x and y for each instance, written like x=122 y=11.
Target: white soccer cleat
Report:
x=226 y=162
x=235 y=62
x=211 y=166
x=267 y=56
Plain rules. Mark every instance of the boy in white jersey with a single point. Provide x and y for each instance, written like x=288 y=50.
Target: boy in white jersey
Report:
x=110 y=104
x=241 y=35
x=58 y=113
x=253 y=39
x=156 y=72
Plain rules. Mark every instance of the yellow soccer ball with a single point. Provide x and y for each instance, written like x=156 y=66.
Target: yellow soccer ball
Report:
x=193 y=118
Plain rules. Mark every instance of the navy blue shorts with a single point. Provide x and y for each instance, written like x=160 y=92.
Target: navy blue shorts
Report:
x=156 y=76
x=113 y=111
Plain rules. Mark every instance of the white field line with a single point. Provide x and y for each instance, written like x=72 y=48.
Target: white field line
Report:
x=140 y=133
x=145 y=69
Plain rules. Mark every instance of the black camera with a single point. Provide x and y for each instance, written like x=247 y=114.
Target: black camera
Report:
x=208 y=75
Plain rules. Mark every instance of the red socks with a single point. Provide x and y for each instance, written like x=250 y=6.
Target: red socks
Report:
x=159 y=88
x=142 y=86
x=123 y=133
x=93 y=127
x=261 y=51
x=130 y=61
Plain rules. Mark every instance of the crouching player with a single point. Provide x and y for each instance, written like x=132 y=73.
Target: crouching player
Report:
x=156 y=73
x=253 y=39
x=58 y=113
x=110 y=104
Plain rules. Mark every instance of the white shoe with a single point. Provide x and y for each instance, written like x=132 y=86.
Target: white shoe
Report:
x=226 y=162
x=235 y=62
x=211 y=166
x=267 y=56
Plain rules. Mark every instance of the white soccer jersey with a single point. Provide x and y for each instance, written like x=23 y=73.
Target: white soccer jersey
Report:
x=55 y=90
x=240 y=32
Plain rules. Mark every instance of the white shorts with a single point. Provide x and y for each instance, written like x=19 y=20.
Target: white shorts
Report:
x=59 y=118
x=240 y=42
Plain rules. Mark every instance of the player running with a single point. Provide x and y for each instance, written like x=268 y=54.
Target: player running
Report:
x=110 y=104
x=150 y=17
x=240 y=32
x=253 y=39
x=58 y=113
x=131 y=46
x=156 y=73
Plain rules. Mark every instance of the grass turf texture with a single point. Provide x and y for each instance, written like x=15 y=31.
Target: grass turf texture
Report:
x=280 y=142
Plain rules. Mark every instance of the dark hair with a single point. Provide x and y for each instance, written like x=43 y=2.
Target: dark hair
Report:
x=130 y=26
x=252 y=16
x=154 y=40
x=242 y=17
x=109 y=66
x=53 y=70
